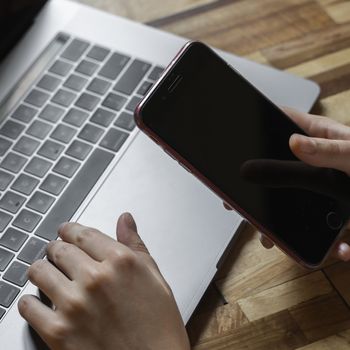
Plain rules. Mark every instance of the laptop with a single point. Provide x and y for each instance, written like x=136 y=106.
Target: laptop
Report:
x=70 y=78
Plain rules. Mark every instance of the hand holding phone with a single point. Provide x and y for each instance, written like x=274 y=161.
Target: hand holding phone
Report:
x=214 y=122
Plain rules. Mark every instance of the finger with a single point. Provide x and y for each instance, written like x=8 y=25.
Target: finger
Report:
x=321 y=152
x=93 y=242
x=68 y=258
x=342 y=251
x=318 y=126
x=266 y=242
x=127 y=234
x=49 y=280
x=38 y=315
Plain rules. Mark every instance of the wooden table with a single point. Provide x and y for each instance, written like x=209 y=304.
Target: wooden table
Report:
x=261 y=299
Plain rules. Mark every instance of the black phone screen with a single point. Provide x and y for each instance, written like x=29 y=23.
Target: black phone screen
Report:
x=239 y=141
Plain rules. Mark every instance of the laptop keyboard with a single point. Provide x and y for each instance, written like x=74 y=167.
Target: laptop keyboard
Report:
x=57 y=143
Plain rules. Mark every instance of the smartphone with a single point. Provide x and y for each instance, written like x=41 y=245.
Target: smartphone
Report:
x=224 y=131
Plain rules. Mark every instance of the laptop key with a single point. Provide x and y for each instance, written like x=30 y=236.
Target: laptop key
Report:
x=4 y=220
x=114 y=139
x=86 y=67
x=17 y=274
x=53 y=184
x=63 y=133
x=64 y=97
x=75 y=82
x=8 y=293
x=25 y=184
x=26 y=220
x=114 y=66
x=79 y=150
x=99 y=86
x=114 y=101
x=13 y=239
x=87 y=101
x=75 y=193
x=51 y=113
x=49 y=83
x=66 y=167
x=4 y=146
x=98 y=53
x=132 y=77
x=26 y=145
x=156 y=73
x=37 y=98
x=40 y=202
x=102 y=117
x=146 y=85
x=12 y=202
x=2 y=312
x=131 y=106
x=13 y=162
x=11 y=129
x=5 y=258
x=51 y=150
x=38 y=167
x=61 y=68
x=39 y=129
x=24 y=113
x=75 y=117
x=90 y=133
x=125 y=121
x=5 y=179
x=75 y=50
x=34 y=249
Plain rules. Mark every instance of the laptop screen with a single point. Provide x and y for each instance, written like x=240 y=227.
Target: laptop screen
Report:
x=15 y=18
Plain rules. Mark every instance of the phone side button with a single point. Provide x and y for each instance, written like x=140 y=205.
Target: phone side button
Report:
x=169 y=154
x=185 y=167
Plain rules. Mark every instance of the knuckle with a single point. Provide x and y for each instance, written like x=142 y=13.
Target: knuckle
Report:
x=59 y=250
x=57 y=331
x=74 y=305
x=95 y=278
x=85 y=234
x=122 y=260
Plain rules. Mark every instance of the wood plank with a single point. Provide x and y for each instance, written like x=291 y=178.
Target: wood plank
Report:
x=250 y=269
x=322 y=317
x=216 y=322
x=339 y=275
x=339 y=341
x=309 y=47
x=144 y=10
x=336 y=107
x=339 y=11
x=246 y=29
x=278 y=332
x=321 y=64
x=284 y=296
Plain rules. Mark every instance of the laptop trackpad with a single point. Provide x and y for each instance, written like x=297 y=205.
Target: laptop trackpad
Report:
x=183 y=224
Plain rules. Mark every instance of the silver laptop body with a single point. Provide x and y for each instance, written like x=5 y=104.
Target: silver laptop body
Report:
x=184 y=225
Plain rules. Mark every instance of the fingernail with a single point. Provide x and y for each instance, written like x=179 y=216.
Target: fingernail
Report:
x=61 y=226
x=129 y=220
x=344 y=251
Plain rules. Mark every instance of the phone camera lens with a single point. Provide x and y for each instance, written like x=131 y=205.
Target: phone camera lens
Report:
x=334 y=221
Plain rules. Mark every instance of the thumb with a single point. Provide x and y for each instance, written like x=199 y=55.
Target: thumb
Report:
x=127 y=234
x=322 y=152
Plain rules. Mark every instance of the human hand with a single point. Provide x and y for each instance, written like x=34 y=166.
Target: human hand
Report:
x=327 y=146
x=106 y=294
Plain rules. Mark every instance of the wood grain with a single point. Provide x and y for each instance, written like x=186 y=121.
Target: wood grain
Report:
x=261 y=299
